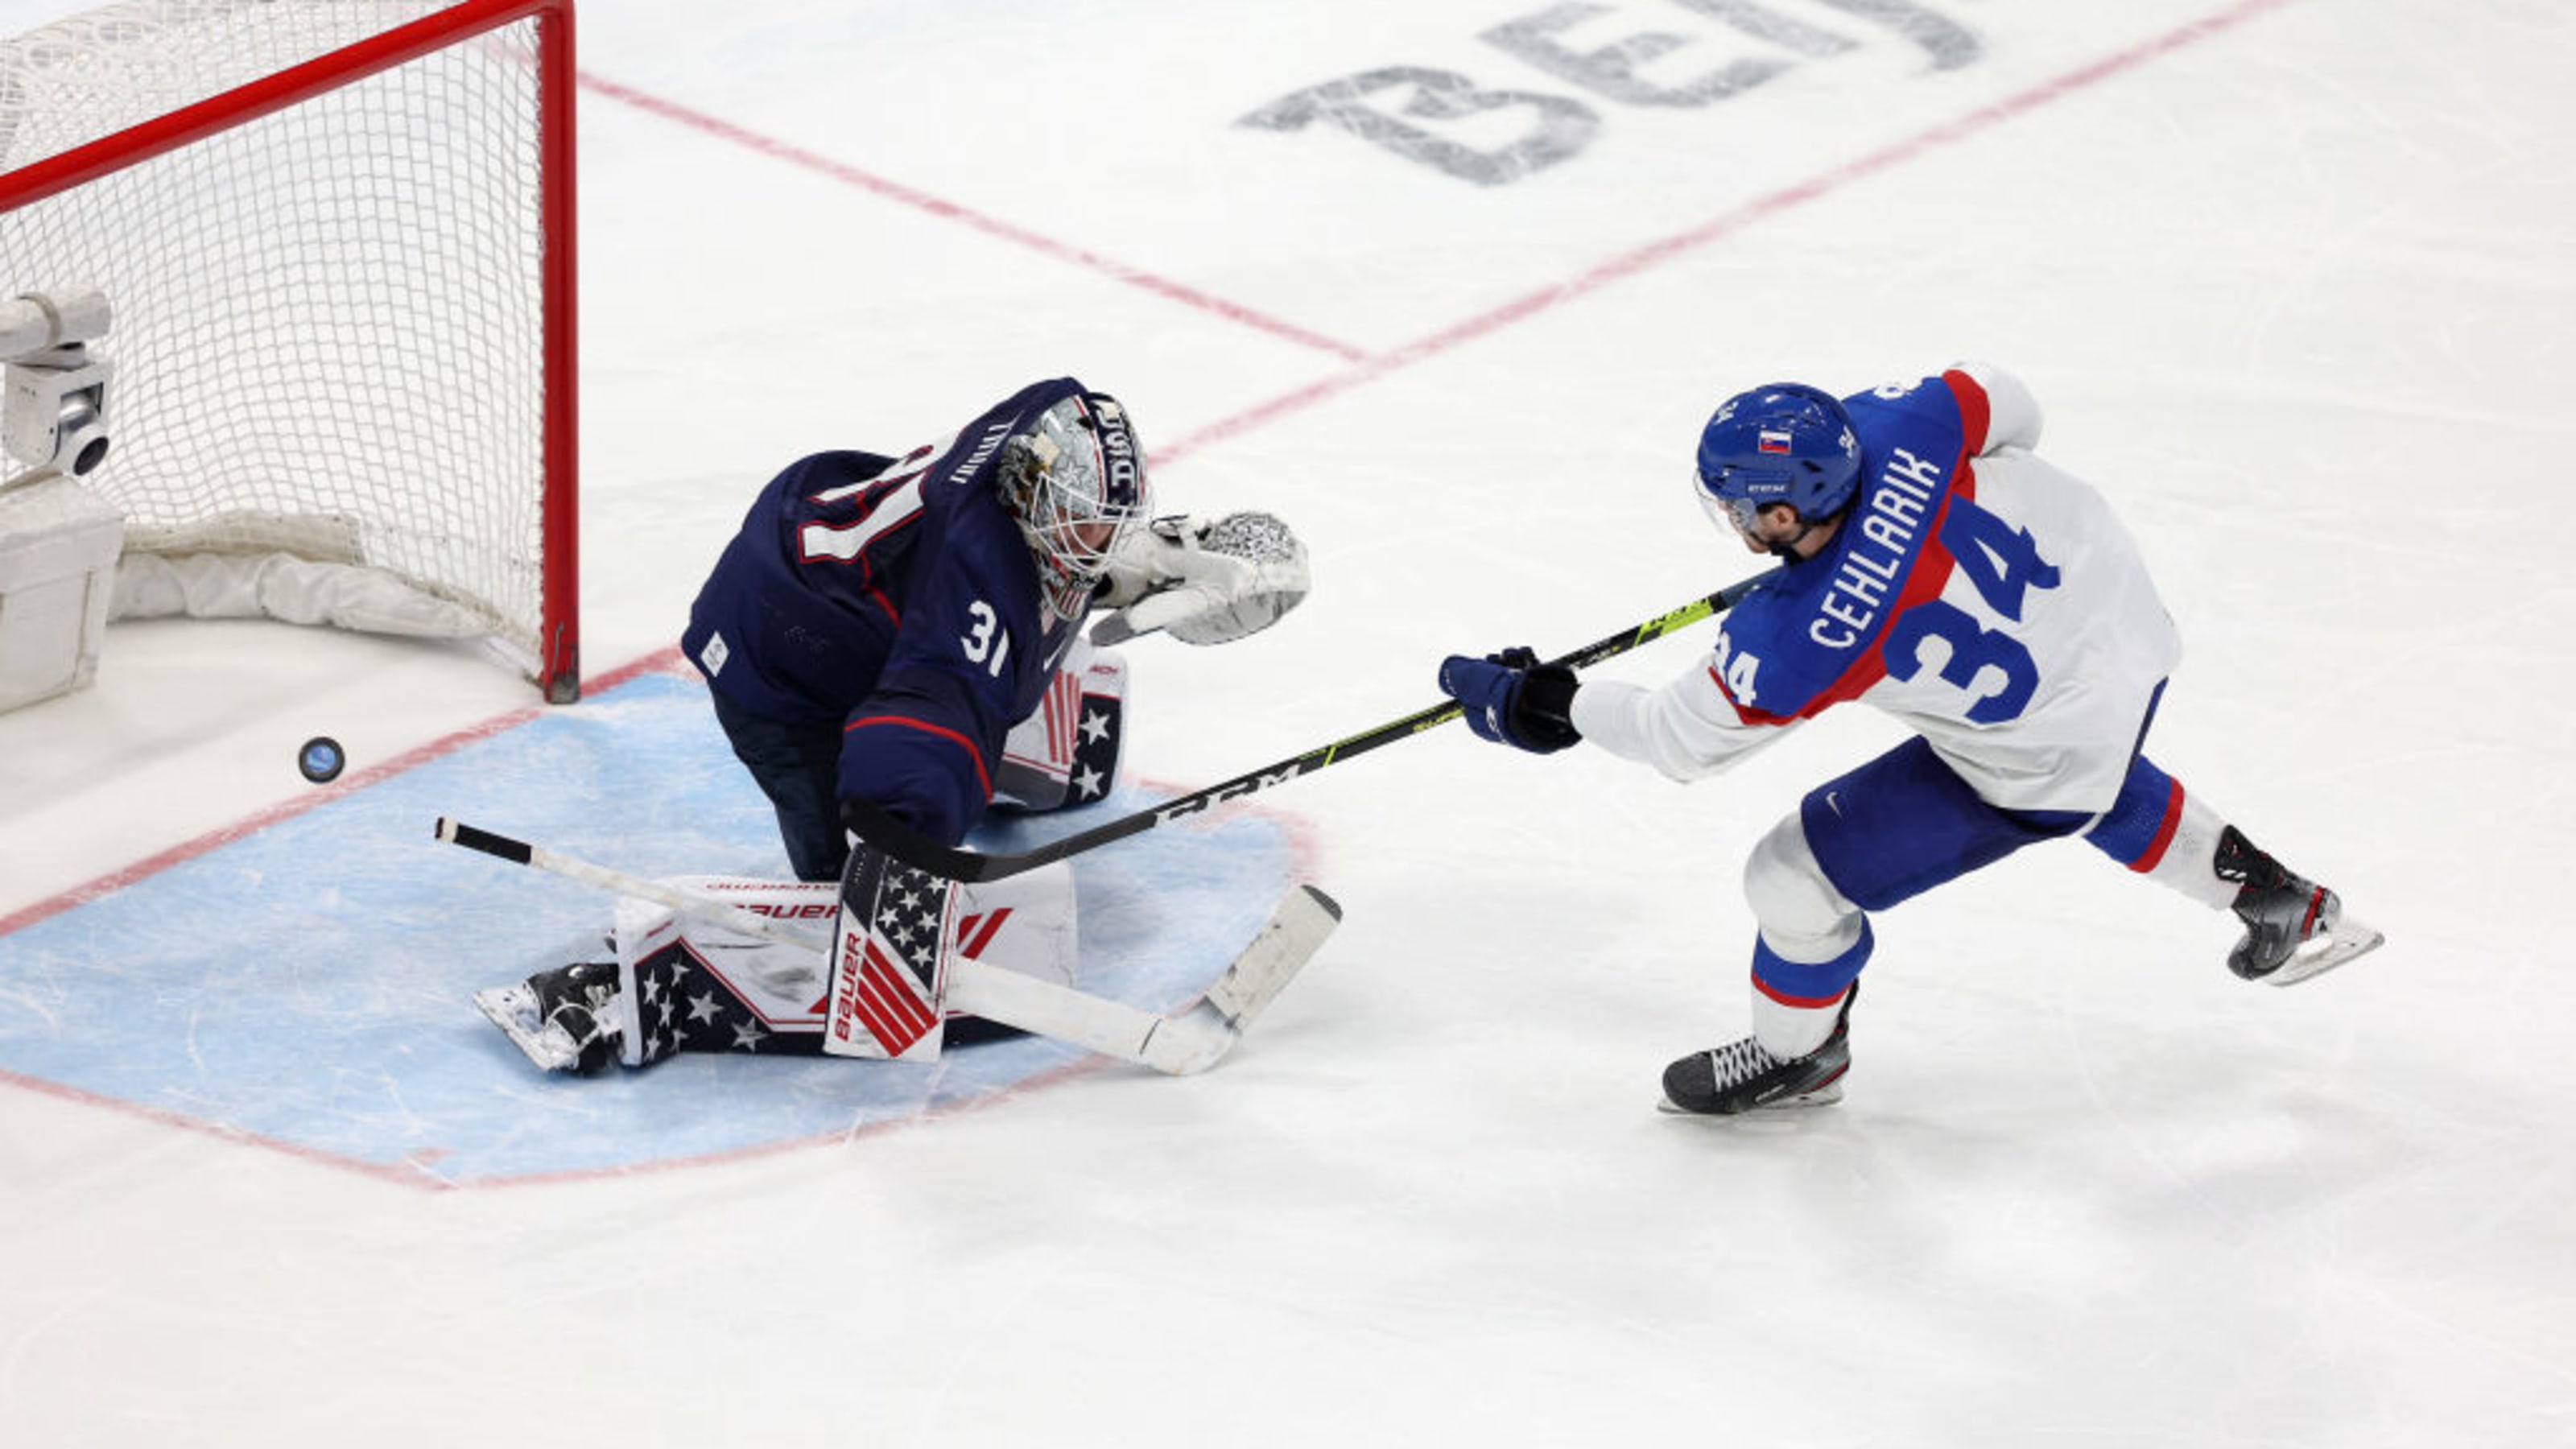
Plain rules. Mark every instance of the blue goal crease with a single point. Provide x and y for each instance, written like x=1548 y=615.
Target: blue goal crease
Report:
x=309 y=984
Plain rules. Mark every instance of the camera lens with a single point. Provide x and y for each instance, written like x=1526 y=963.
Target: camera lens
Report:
x=80 y=444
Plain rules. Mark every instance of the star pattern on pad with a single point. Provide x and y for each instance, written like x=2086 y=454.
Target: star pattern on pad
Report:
x=683 y=1007
x=1095 y=754
x=909 y=908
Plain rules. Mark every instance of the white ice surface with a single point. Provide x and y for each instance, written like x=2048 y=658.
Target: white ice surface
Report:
x=2293 y=282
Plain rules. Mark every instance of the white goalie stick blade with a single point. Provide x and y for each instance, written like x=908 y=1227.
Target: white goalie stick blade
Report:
x=1200 y=1037
x=1182 y=1044
x=514 y=1010
x=1177 y=1045
x=2344 y=940
x=1304 y=918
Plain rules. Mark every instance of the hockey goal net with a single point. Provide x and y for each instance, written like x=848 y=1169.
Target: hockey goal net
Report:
x=337 y=239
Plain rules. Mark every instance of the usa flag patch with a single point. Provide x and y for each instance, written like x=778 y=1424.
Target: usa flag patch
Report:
x=1771 y=442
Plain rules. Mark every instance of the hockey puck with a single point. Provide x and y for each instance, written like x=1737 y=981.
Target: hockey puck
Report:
x=321 y=759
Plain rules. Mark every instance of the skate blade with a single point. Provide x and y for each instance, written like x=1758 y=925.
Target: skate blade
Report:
x=1824 y=1096
x=2344 y=940
x=514 y=1010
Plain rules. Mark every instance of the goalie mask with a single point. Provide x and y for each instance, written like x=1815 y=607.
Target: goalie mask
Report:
x=1075 y=480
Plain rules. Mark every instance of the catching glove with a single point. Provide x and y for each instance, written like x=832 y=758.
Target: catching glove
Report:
x=1202 y=581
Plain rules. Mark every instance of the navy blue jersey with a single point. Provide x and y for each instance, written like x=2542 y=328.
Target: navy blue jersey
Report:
x=898 y=598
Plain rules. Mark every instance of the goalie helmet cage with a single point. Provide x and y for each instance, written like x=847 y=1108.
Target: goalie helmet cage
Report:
x=337 y=236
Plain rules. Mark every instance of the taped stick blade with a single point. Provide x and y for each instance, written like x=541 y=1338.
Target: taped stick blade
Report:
x=1305 y=918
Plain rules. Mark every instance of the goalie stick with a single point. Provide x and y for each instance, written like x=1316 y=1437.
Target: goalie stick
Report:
x=919 y=851
x=1180 y=1044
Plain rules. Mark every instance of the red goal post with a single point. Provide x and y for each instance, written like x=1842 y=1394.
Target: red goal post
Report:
x=337 y=237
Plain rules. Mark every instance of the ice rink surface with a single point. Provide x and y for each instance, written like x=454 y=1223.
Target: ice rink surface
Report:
x=1452 y=286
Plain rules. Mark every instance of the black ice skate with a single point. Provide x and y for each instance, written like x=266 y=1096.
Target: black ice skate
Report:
x=561 y=1018
x=1742 y=1077
x=2294 y=928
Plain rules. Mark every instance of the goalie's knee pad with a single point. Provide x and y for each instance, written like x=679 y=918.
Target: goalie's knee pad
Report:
x=1802 y=916
x=1067 y=752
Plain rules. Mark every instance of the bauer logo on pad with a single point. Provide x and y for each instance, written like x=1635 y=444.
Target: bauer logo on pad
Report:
x=889 y=962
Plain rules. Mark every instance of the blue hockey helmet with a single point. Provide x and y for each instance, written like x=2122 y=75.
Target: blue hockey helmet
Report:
x=1783 y=443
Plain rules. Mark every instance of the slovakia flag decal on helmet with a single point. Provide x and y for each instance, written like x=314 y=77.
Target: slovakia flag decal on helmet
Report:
x=1773 y=442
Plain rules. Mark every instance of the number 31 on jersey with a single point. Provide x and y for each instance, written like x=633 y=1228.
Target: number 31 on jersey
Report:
x=986 y=642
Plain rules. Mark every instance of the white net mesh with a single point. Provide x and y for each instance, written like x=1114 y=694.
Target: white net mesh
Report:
x=328 y=320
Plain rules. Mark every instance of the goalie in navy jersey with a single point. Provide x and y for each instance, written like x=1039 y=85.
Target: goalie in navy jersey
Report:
x=898 y=629
x=903 y=634
x=1939 y=570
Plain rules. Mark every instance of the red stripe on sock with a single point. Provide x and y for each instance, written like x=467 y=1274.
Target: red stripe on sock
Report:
x=2155 y=851
x=1802 y=1003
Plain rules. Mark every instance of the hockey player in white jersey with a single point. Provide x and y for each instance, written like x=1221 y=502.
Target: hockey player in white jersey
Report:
x=1940 y=571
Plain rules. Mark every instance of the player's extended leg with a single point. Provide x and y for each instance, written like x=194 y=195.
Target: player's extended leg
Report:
x=1807 y=956
x=2294 y=927
x=1884 y=833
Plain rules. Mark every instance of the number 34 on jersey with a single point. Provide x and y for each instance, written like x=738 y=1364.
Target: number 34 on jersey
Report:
x=1992 y=671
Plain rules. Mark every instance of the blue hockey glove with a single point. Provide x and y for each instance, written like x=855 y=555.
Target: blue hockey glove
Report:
x=1512 y=699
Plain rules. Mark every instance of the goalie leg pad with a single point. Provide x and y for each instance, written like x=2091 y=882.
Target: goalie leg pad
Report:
x=696 y=986
x=1022 y=923
x=890 y=954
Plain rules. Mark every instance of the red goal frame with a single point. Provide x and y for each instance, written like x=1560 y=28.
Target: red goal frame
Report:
x=559 y=669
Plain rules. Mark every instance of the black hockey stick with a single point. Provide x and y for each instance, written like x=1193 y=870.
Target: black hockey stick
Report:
x=919 y=851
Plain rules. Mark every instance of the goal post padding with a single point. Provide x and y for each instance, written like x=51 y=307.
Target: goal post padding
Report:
x=338 y=239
